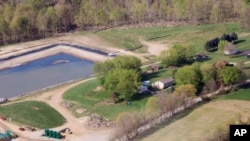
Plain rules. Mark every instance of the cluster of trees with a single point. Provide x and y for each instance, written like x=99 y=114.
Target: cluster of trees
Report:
x=31 y=19
x=128 y=122
x=177 y=55
x=122 y=75
x=208 y=77
x=214 y=44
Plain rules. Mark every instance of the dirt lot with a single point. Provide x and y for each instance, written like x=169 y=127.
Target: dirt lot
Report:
x=79 y=129
x=54 y=97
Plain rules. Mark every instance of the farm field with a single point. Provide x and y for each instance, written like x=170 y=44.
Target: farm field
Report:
x=33 y=113
x=84 y=96
x=201 y=122
x=129 y=39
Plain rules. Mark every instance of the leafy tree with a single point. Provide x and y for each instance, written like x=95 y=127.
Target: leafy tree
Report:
x=120 y=62
x=126 y=123
x=124 y=82
x=177 y=55
x=222 y=45
x=152 y=107
x=116 y=14
x=212 y=45
x=4 y=30
x=234 y=36
x=207 y=71
x=187 y=75
x=8 y=12
x=42 y=22
x=220 y=65
x=187 y=91
x=52 y=20
x=230 y=75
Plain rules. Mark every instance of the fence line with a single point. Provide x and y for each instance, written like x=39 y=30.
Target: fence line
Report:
x=164 y=117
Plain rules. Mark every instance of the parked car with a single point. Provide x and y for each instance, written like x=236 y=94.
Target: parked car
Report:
x=28 y=128
x=65 y=130
x=3 y=118
x=21 y=129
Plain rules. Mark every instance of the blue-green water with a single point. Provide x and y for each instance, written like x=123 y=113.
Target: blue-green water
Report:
x=42 y=73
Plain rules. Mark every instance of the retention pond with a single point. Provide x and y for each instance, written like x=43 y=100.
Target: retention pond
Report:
x=43 y=73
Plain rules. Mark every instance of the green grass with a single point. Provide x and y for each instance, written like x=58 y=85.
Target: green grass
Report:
x=202 y=121
x=242 y=94
x=195 y=35
x=162 y=73
x=33 y=113
x=87 y=98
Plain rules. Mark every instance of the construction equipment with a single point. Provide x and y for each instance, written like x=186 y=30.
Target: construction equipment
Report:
x=7 y=136
x=66 y=130
x=52 y=134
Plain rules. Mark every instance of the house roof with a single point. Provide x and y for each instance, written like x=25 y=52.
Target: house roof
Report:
x=230 y=48
x=202 y=54
x=167 y=80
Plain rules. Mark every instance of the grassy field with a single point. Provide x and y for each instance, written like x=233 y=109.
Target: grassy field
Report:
x=33 y=113
x=195 y=35
x=87 y=98
x=201 y=122
x=242 y=94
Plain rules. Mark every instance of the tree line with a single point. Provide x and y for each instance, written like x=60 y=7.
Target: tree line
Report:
x=23 y=20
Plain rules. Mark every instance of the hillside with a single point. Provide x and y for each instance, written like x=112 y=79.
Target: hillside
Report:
x=23 y=20
x=202 y=122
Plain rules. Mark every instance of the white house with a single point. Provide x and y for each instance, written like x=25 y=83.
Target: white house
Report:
x=164 y=83
x=3 y=100
x=229 y=49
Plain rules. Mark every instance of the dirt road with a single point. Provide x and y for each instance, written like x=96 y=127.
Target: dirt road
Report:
x=80 y=131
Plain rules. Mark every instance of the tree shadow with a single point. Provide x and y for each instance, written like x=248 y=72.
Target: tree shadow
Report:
x=239 y=41
x=203 y=60
x=245 y=86
x=149 y=76
x=141 y=96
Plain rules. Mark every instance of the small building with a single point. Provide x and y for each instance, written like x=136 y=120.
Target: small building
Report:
x=163 y=83
x=248 y=56
x=200 y=56
x=3 y=100
x=230 y=49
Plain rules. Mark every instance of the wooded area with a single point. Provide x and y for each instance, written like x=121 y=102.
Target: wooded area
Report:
x=23 y=20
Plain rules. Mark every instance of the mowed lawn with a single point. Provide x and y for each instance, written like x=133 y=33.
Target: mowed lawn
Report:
x=85 y=96
x=242 y=94
x=202 y=122
x=129 y=39
x=33 y=113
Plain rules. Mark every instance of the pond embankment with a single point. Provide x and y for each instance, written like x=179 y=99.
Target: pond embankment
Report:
x=22 y=56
